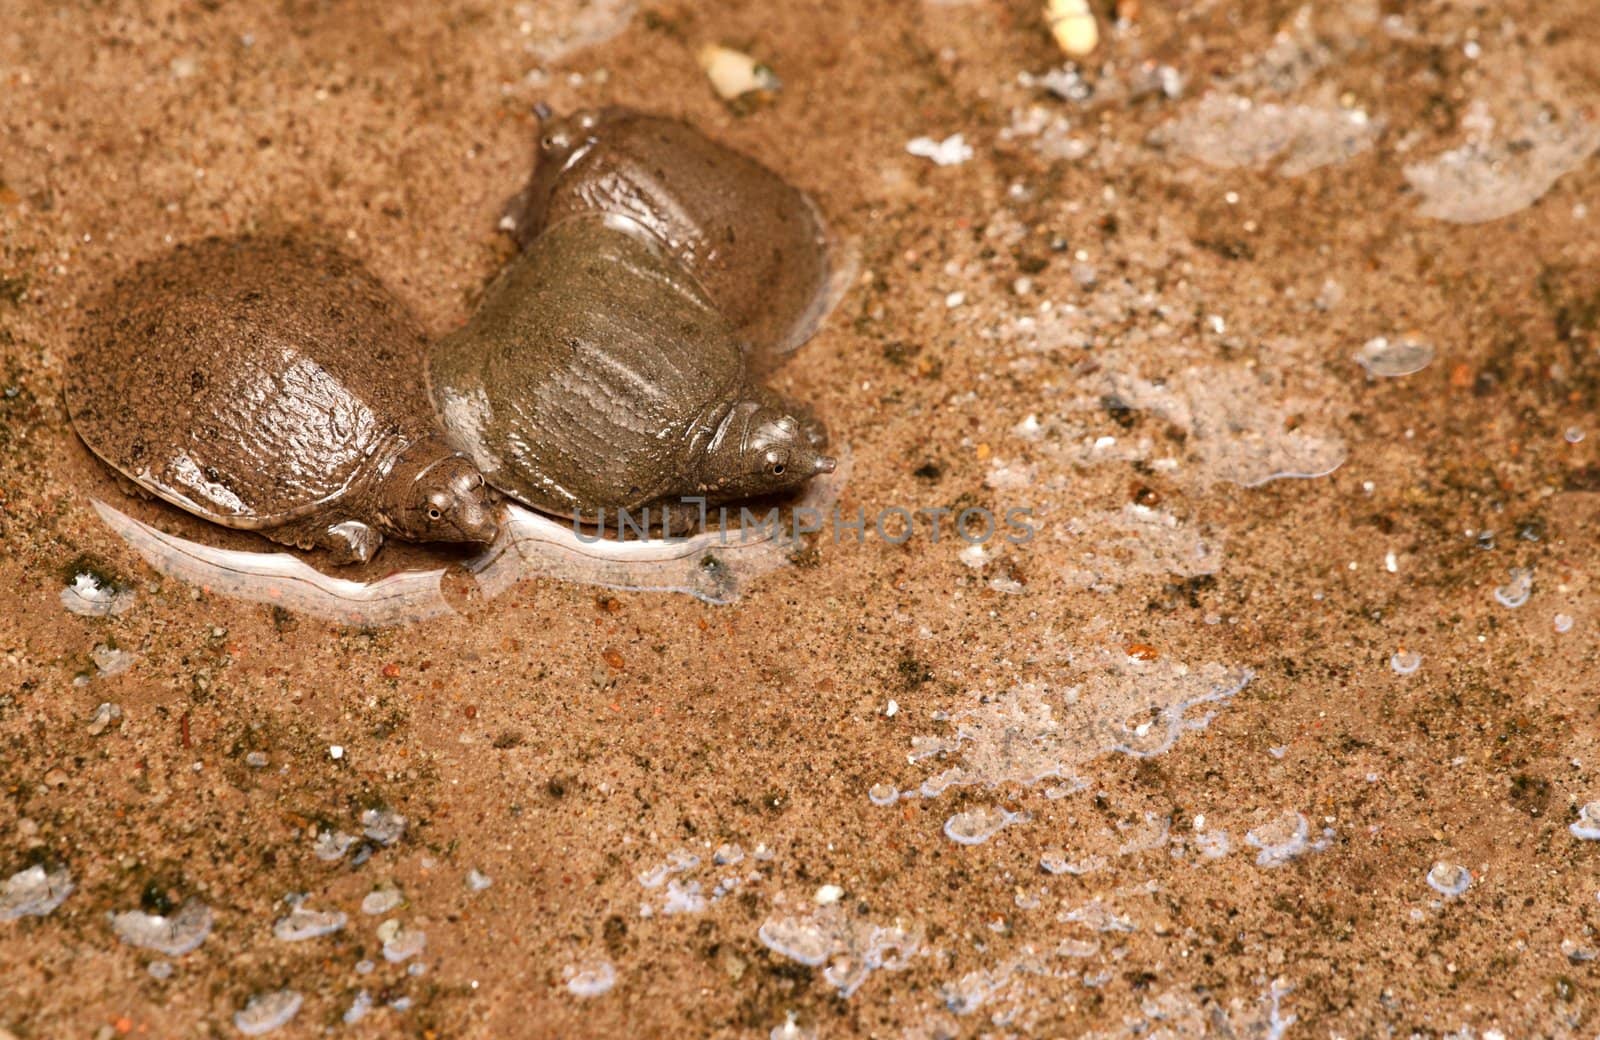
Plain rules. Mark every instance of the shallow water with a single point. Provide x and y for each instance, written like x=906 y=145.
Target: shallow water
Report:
x=1249 y=735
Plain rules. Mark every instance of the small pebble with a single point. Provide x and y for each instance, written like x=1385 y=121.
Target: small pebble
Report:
x=266 y=1012
x=104 y=717
x=589 y=979
x=1587 y=826
x=952 y=151
x=34 y=892
x=331 y=846
x=381 y=900
x=400 y=943
x=733 y=74
x=302 y=924
x=359 y=1006
x=174 y=936
x=384 y=826
x=87 y=596
x=111 y=661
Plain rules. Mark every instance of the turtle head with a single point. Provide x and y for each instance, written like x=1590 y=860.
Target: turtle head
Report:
x=441 y=498
x=760 y=449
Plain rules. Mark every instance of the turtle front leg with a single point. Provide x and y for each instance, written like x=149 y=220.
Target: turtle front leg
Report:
x=345 y=541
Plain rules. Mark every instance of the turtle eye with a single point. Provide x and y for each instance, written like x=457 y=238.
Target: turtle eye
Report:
x=434 y=514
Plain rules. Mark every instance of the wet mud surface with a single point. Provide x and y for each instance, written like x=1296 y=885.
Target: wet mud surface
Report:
x=1282 y=723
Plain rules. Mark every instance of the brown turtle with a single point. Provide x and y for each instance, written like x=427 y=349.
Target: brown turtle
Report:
x=273 y=385
x=609 y=367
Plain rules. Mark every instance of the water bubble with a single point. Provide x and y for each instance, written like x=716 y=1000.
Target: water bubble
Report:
x=1387 y=358
x=267 y=1011
x=1563 y=623
x=1404 y=662
x=849 y=947
x=976 y=826
x=589 y=979
x=1587 y=825
x=90 y=596
x=1231 y=130
x=1515 y=592
x=173 y=936
x=160 y=970
x=1573 y=435
x=1284 y=838
x=1099 y=917
x=883 y=794
x=384 y=826
x=477 y=881
x=34 y=892
x=1449 y=879
x=1487 y=177
x=302 y=924
x=259 y=760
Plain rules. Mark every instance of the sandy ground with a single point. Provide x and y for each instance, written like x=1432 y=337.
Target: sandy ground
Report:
x=1203 y=740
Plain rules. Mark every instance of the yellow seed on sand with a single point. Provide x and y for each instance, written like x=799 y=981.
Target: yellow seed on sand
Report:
x=1073 y=25
x=734 y=74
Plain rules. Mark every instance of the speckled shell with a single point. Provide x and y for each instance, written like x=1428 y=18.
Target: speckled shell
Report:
x=252 y=381
x=755 y=242
x=588 y=371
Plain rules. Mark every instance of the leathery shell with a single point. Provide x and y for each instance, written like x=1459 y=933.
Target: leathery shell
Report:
x=755 y=242
x=587 y=370
x=251 y=381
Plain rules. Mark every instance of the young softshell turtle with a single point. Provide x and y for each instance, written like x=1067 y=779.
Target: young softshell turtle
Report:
x=755 y=242
x=272 y=385
x=597 y=374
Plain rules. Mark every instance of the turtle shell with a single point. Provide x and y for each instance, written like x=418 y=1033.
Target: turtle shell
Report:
x=588 y=371
x=755 y=242
x=252 y=381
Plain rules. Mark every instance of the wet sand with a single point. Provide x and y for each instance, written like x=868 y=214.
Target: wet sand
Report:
x=1181 y=765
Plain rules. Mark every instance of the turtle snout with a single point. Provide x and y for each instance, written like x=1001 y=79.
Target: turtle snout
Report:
x=476 y=521
x=474 y=514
